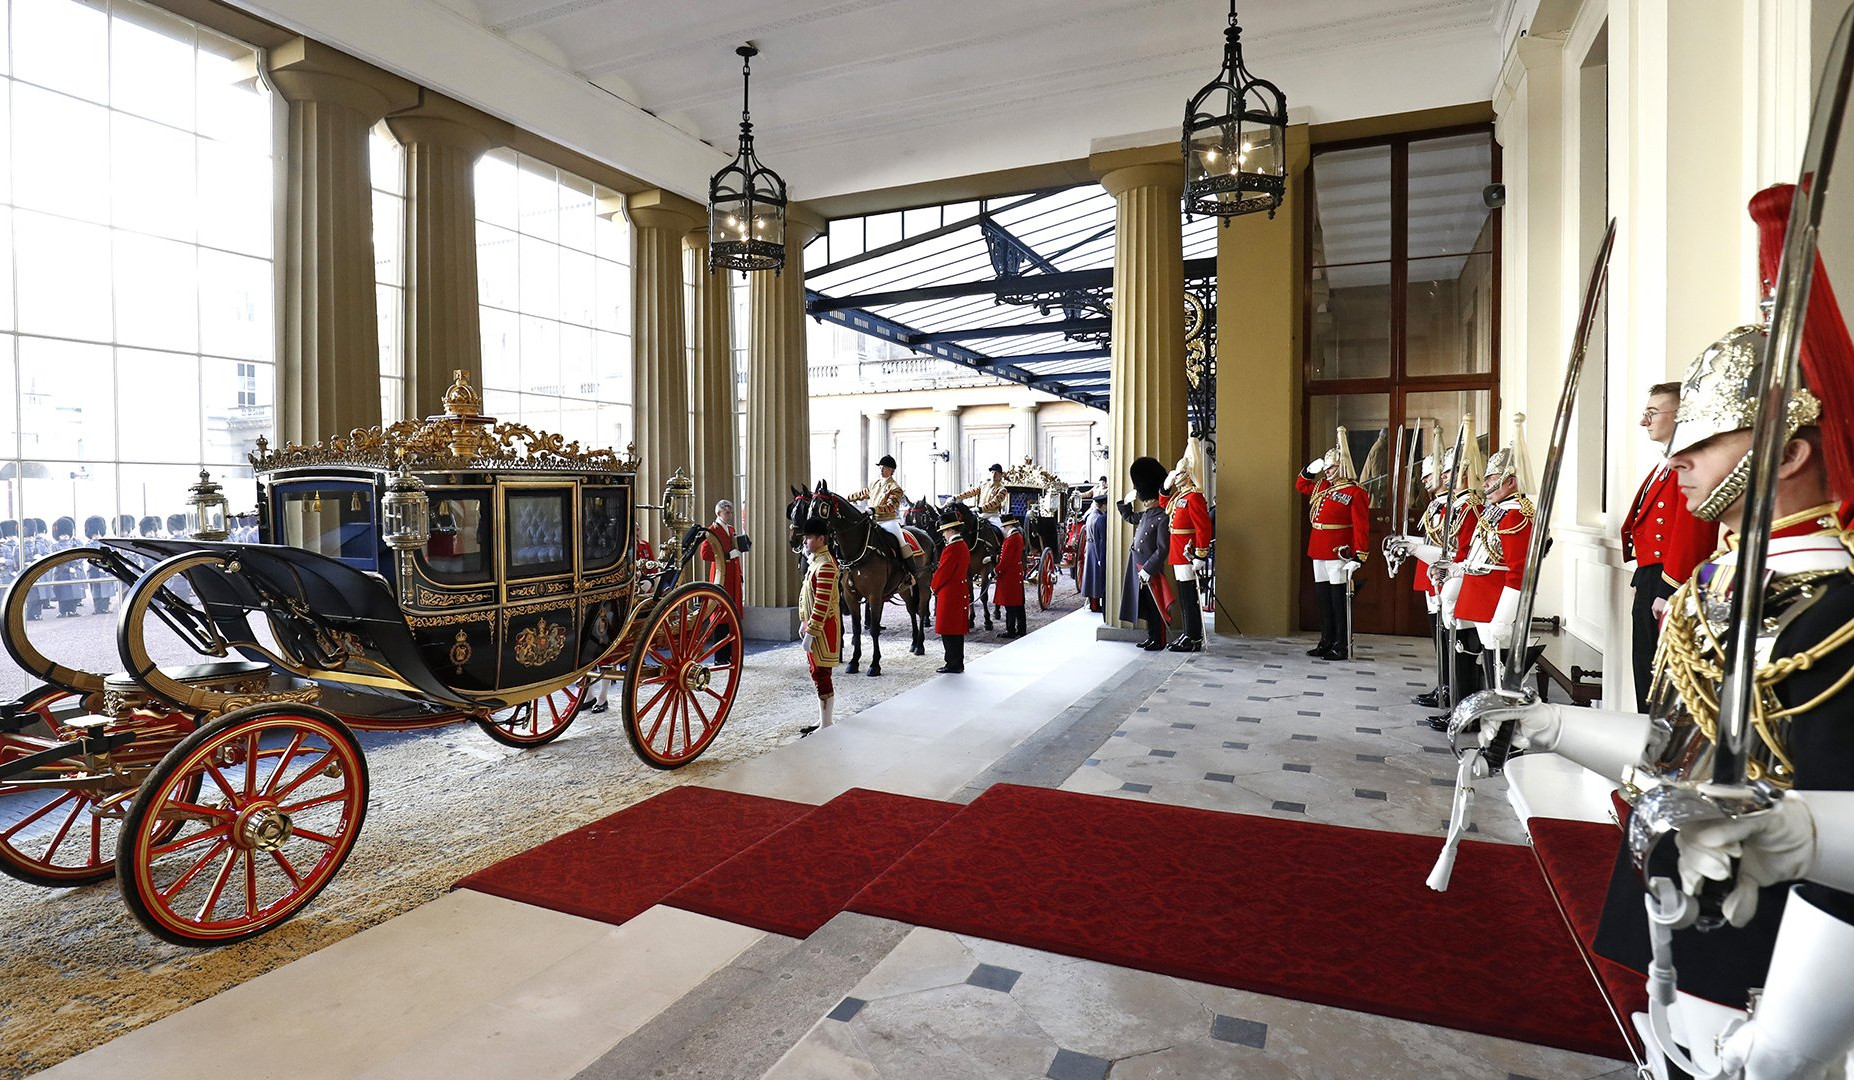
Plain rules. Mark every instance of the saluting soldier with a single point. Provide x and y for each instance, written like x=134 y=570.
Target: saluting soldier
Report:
x=1662 y=538
x=952 y=596
x=1487 y=599
x=1340 y=512
x=993 y=498
x=1789 y=870
x=1188 y=550
x=820 y=599
x=1008 y=588
x=885 y=497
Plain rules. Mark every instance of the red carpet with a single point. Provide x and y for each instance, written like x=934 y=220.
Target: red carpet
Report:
x=1316 y=913
x=1577 y=857
x=795 y=880
x=619 y=866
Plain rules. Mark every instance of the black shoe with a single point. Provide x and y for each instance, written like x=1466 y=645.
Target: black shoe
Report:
x=1320 y=649
x=1185 y=644
x=1337 y=652
x=804 y=731
x=1151 y=645
x=598 y=707
x=1439 y=723
x=947 y=669
x=1431 y=700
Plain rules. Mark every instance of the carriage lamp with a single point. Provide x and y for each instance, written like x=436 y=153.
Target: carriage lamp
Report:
x=679 y=502
x=1235 y=140
x=206 y=510
x=746 y=200
x=406 y=512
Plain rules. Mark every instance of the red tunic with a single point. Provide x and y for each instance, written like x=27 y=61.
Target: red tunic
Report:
x=1341 y=516
x=1501 y=547
x=1660 y=530
x=1189 y=516
x=1009 y=576
x=722 y=570
x=1464 y=535
x=644 y=550
x=952 y=589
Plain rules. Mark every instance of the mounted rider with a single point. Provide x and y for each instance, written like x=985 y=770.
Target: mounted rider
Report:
x=992 y=497
x=884 y=496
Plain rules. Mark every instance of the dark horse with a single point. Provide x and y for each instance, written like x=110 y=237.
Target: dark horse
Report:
x=874 y=567
x=986 y=540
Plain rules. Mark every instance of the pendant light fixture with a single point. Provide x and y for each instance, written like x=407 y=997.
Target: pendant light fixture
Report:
x=746 y=200
x=1235 y=140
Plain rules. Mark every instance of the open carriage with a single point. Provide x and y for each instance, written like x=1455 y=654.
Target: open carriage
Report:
x=1038 y=496
x=424 y=574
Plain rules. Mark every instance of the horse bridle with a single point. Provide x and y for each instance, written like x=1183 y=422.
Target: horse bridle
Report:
x=868 y=528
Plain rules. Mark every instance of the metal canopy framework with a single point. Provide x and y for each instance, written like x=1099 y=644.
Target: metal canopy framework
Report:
x=1020 y=288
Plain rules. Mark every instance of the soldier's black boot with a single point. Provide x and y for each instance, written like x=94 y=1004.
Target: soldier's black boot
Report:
x=1192 y=639
x=1335 y=601
x=1320 y=589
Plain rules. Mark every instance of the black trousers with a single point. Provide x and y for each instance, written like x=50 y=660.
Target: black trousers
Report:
x=1014 y=621
x=1193 y=607
x=955 y=646
x=1470 y=677
x=1647 y=629
x=1149 y=614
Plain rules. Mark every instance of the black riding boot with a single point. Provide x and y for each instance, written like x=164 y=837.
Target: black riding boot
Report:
x=1192 y=639
x=1468 y=678
x=1437 y=698
x=1320 y=589
x=1339 y=649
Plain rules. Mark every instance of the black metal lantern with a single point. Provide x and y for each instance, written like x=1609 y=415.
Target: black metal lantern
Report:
x=746 y=200
x=1235 y=140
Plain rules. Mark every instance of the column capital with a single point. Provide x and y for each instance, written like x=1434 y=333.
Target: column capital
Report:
x=949 y=410
x=1167 y=176
x=876 y=414
x=801 y=226
x=659 y=209
x=439 y=120
x=305 y=70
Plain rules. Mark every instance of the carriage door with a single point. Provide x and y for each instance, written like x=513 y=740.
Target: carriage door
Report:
x=540 y=641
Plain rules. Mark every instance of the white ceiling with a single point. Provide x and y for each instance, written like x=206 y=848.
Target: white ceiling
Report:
x=858 y=95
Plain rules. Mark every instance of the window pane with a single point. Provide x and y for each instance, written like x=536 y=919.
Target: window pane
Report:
x=1365 y=418
x=540 y=278
x=1447 y=216
x=151 y=65
x=578 y=207
x=156 y=292
x=501 y=350
x=576 y=375
x=612 y=304
x=237 y=399
x=612 y=358
x=62 y=44
x=388 y=225
x=1351 y=321
x=540 y=356
x=1450 y=326
x=235 y=198
x=235 y=305
x=495 y=189
x=388 y=309
x=65 y=400
x=460 y=549
x=152 y=183
x=332 y=518
x=497 y=271
x=60 y=291
x=1433 y=418
x=162 y=387
x=60 y=154
x=538 y=195
x=232 y=105
x=577 y=281
x=1351 y=206
x=537 y=525
x=6 y=276
x=385 y=163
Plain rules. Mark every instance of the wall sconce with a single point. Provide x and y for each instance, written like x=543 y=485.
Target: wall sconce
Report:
x=940 y=455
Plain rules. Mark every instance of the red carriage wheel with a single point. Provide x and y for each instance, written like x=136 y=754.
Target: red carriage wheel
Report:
x=542 y=720
x=57 y=837
x=268 y=801
x=683 y=675
x=1045 y=580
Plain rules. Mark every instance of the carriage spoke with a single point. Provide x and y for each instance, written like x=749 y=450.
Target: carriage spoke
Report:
x=193 y=871
x=320 y=800
x=218 y=886
x=305 y=776
x=251 y=899
x=283 y=762
x=64 y=829
x=696 y=704
x=251 y=762
x=311 y=834
x=284 y=864
x=40 y=812
x=224 y=784
x=172 y=846
x=651 y=704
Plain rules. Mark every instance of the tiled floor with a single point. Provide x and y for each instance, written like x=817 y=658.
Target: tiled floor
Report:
x=1248 y=726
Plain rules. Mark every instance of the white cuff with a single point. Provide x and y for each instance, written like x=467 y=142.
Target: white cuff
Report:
x=1429 y=553
x=1833 y=812
x=1806 y=1009
x=1604 y=741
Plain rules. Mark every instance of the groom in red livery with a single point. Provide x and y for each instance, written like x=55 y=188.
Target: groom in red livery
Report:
x=1009 y=591
x=952 y=595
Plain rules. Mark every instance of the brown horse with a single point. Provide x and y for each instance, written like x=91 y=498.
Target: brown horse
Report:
x=874 y=567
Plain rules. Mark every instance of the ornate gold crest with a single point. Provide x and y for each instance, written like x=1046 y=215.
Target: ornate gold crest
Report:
x=461 y=650
x=539 y=644
x=1032 y=475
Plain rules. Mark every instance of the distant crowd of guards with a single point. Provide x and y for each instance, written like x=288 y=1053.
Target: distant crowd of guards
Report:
x=27 y=540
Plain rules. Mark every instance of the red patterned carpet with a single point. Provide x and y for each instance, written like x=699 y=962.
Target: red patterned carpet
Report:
x=795 y=880
x=619 y=866
x=1316 y=913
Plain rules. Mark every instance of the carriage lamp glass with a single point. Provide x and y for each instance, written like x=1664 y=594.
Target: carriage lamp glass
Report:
x=1235 y=140
x=746 y=200
x=206 y=510
x=679 y=502
x=406 y=512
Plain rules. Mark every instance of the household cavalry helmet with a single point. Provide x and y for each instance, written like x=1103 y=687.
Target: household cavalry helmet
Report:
x=1511 y=459
x=1340 y=457
x=1187 y=474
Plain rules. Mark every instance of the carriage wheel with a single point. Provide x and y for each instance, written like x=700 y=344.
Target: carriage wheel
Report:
x=1045 y=580
x=542 y=720
x=269 y=801
x=677 y=692
x=49 y=836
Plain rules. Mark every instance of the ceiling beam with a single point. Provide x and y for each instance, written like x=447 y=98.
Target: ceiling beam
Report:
x=1029 y=285
x=975 y=333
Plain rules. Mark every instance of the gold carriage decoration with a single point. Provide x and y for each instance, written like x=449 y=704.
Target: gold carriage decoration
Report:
x=406 y=576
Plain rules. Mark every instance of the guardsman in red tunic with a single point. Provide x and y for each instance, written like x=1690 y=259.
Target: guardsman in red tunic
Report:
x=1662 y=537
x=1431 y=545
x=1340 y=512
x=1496 y=562
x=1009 y=590
x=952 y=596
x=820 y=603
x=724 y=565
x=1188 y=516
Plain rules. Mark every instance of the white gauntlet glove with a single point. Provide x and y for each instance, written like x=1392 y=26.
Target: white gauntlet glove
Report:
x=1771 y=846
x=1607 y=743
x=1498 y=631
x=804 y=641
x=1316 y=466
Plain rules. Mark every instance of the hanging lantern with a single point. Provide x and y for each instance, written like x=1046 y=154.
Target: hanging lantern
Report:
x=746 y=200
x=1235 y=140
x=206 y=510
x=406 y=512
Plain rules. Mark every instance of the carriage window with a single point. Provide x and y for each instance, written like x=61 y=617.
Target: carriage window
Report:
x=538 y=533
x=333 y=519
x=602 y=525
x=458 y=550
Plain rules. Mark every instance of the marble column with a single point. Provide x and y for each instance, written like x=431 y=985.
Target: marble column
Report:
x=778 y=432
x=659 y=356
x=443 y=329
x=951 y=440
x=1146 y=414
x=1023 y=436
x=328 y=378
x=711 y=374
x=878 y=440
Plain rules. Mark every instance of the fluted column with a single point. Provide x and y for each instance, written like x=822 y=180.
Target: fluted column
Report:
x=1146 y=412
x=1023 y=435
x=878 y=440
x=951 y=440
x=778 y=432
x=443 y=328
x=329 y=379
x=711 y=373
x=659 y=357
